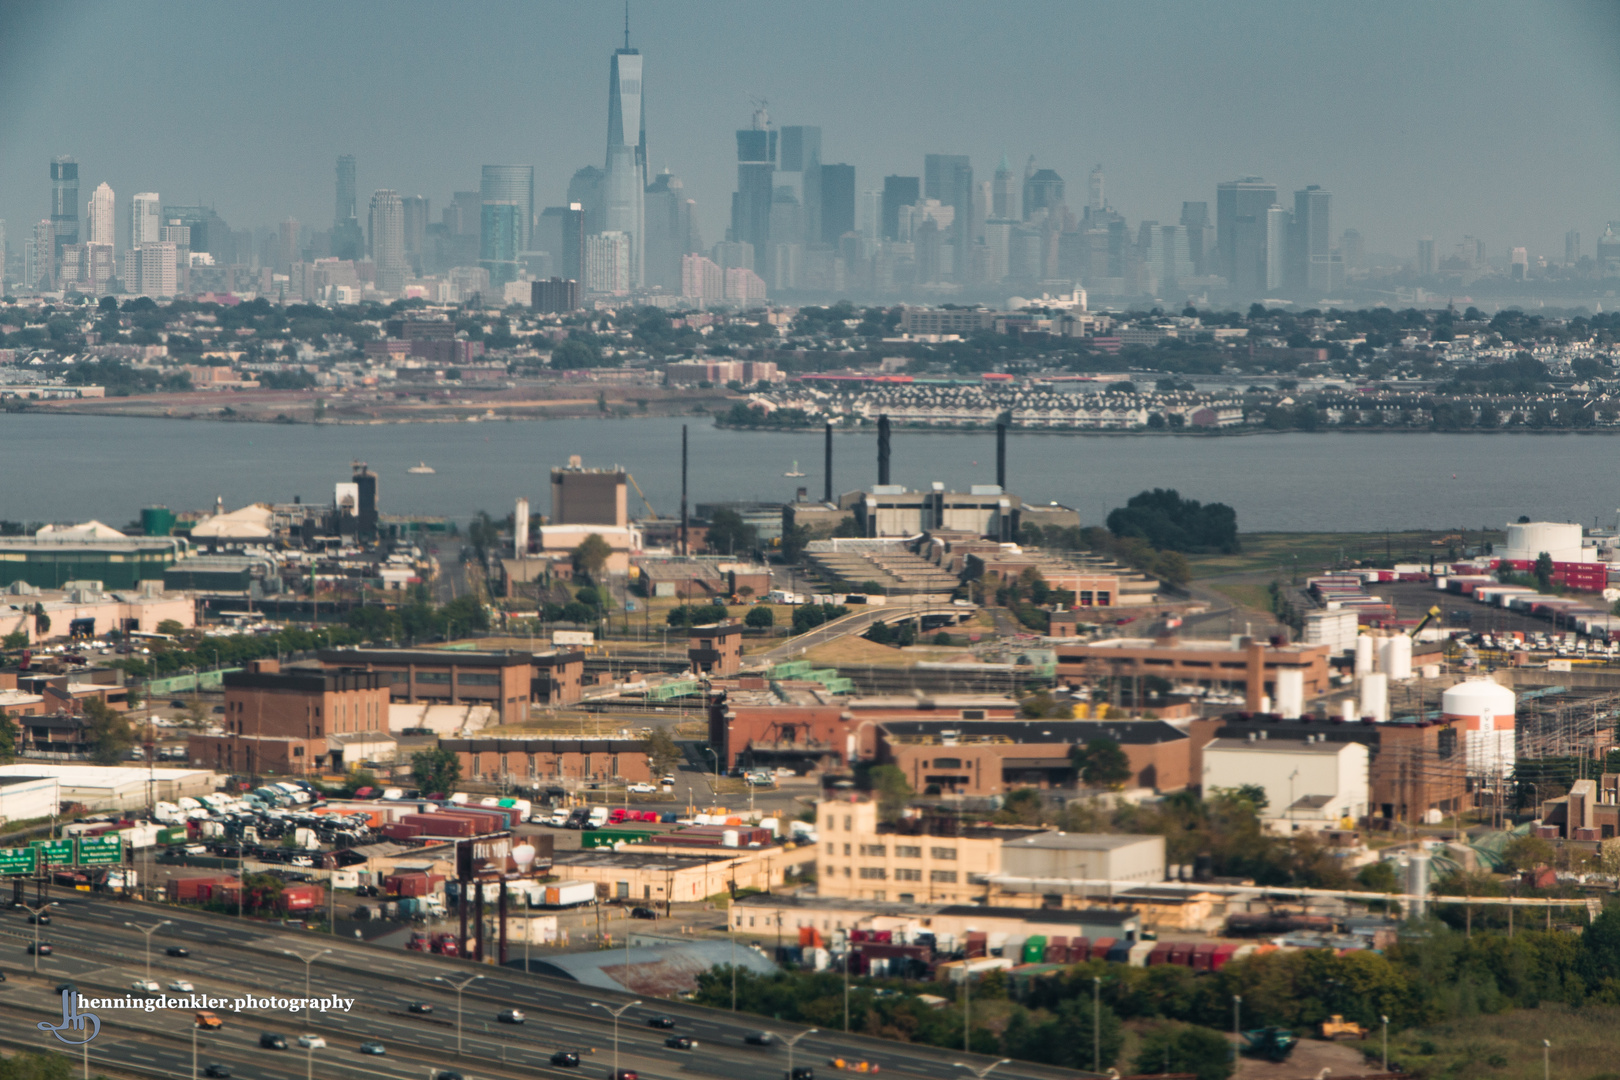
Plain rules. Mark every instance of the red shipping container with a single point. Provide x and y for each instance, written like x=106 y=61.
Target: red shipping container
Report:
x=1057 y=951
x=441 y=824
x=978 y=943
x=1180 y=953
x=406 y=884
x=303 y=897
x=398 y=830
x=1079 y=950
x=1100 y=947
x=1203 y=957
x=1163 y=953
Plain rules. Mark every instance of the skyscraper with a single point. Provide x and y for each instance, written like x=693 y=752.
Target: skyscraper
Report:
x=347 y=240
x=668 y=218
x=1200 y=235
x=1428 y=261
x=837 y=202
x=1004 y=193
x=1043 y=190
x=1279 y=227
x=1311 y=244
x=39 y=261
x=756 y=184
x=800 y=159
x=387 y=235
x=65 y=202
x=500 y=238
x=1572 y=248
x=100 y=216
x=511 y=184
x=625 y=184
x=1094 y=193
x=417 y=209
x=607 y=263
x=898 y=191
x=949 y=178
x=1240 y=231
x=288 y=250
x=585 y=188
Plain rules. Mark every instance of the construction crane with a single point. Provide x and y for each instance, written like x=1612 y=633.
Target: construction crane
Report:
x=1433 y=613
x=654 y=514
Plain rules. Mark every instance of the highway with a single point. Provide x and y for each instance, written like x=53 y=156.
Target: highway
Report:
x=96 y=951
x=861 y=620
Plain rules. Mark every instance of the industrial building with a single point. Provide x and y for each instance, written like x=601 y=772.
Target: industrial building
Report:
x=771 y=915
x=509 y=681
x=1254 y=667
x=534 y=762
x=104 y=787
x=1310 y=784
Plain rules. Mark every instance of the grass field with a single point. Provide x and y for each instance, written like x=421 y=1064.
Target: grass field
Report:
x=1310 y=553
x=1507 y=1046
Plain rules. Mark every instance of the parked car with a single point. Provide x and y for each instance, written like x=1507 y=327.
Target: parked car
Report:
x=643 y=913
x=641 y=789
x=565 y=1059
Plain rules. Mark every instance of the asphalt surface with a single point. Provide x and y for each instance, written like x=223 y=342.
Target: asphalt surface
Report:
x=102 y=956
x=859 y=622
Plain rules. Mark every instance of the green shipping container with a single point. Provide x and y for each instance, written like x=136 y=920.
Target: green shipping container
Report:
x=1035 y=949
x=172 y=836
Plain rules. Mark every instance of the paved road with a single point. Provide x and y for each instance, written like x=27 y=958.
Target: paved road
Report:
x=858 y=622
x=102 y=956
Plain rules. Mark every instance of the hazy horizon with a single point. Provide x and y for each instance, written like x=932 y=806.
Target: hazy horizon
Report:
x=1496 y=120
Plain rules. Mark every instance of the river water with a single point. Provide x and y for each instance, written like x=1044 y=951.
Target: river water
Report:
x=71 y=468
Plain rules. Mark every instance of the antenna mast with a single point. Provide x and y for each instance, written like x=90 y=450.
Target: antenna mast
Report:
x=626 y=25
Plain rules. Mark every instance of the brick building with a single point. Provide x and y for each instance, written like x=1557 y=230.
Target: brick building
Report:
x=550 y=761
x=764 y=731
x=294 y=721
x=716 y=649
x=508 y=681
x=1245 y=664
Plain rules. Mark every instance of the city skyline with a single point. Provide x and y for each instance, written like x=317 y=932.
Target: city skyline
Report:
x=256 y=169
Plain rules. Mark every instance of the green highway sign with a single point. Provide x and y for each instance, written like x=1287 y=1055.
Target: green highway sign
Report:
x=101 y=850
x=55 y=852
x=17 y=860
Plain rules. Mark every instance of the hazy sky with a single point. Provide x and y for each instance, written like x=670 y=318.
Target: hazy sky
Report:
x=1500 y=120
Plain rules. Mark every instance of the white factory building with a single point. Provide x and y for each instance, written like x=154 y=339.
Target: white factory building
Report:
x=27 y=798
x=1310 y=784
x=115 y=787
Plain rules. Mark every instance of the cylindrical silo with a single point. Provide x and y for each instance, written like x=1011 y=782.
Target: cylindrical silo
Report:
x=1398 y=660
x=1417 y=884
x=1375 y=696
x=1364 y=655
x=1486 y=713
x=1348 y=710
x=1290 y=692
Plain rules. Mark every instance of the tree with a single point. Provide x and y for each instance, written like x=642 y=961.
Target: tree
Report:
x=760 y=617
x=661 y=750
x=1526 y=853
x=42 y=621
x=591 y=556
x=892 y=788
x=8 y=739
x=1544 y=572
x=17 y=639
x=435 y=771
x=483 y=534
x=729 y=535
x=110 y=736
x=1102 y=763
x=1184 y=1048
x=793 y=542
x=1170 y=523
x=170 y=628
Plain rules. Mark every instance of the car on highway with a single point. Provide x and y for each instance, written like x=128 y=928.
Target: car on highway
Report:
x=511 y=1016
x=42 y=918
x=624 y=1074
x=206 y=1018
x=800 y=1072
x=373 y=1048
x=448 y=1074
x=566 y=1059
x=759 y=1038
x=272 y=1041
x=661 y=1021
x=177 y=950
x=146 y=986
x=2 y=976
x=680 y=1042
x=420 y=1008
x=215 y=1069
x=311 y=1042
x=182 y=986
x=42 y=948
x=66 y=988
x=643 y=913
x=852 y=1064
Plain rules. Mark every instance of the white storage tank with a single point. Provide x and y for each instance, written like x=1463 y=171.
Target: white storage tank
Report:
x=1487 y=713
x=1527 y=541
x=1397 y=657
x=1290 y=692
x=1375 y=696
x=1364 y=655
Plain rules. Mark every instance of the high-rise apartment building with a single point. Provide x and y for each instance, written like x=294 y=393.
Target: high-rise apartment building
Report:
x=1428 y=259
x=1200 y=235
x=607 y=263
x=418 y=209
x=39 y=257
x=1572 y=248
x=510 y=184
x=949 y=178
x=1043 y=191
x=898 y=191
x=1242 y=234
x=288 y=251
x=1094 y=191
x=799 y=163
x=624 y=182
x=500 y=238
x=386 y=233
x=702 y=280
x=100 y=216
x=668 y=219
x=159 y=276
x=756 y=184
x=1005 y=196
x=837 y=202
x=1279 y=228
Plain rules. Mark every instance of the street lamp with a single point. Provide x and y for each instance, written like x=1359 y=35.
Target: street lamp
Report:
x=620 y=1011
x=1546 y=1060
x=1096 y=1023
x=308 y=960
x=1237 y=1036
x=193 y=1050
x=790 y=1044
x=37 y=913
x=984 y=1072
x=710 y=750
x=459 y=987
x=146 y=930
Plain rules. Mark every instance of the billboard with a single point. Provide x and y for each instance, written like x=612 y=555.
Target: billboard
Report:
x=573 y=637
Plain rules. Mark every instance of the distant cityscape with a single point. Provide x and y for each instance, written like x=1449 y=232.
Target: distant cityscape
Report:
x=802 y=228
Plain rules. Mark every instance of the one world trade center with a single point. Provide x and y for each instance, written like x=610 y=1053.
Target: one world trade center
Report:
x=625 y=185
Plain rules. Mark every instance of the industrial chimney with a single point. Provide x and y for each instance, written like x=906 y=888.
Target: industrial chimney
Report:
x=683 y=490
x=883 y=449
x=1001 y=454
x=827 y=465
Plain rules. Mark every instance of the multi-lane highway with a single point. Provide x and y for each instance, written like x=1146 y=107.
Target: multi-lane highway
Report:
x=102 y=956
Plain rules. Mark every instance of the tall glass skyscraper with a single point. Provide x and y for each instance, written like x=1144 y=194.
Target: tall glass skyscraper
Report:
x=624 y=186
x=1241 y=233
x=511 y=184
x=345 y=190
x=65 y=202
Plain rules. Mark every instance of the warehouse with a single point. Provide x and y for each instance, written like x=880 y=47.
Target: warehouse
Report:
x=116 y=787
x=28 y=798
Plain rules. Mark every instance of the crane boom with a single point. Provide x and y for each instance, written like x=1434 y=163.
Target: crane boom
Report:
x=645 y=501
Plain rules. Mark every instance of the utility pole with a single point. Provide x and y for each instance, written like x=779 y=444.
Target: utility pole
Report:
x=1237 y=1036
x=1096 y=1023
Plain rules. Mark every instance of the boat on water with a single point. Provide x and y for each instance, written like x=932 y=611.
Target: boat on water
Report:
x=421 y=468
x=795 y=471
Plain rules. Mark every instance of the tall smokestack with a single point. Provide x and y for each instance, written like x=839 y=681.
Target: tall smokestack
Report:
x=1001 y=454
x=883 y=449
x=683 y=490
x=826 y=467
x=520 y=529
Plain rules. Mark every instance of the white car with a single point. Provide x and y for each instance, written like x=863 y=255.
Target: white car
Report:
x=181 y=986
x=312 y=1042
x=641 y=789
x=145 y=986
